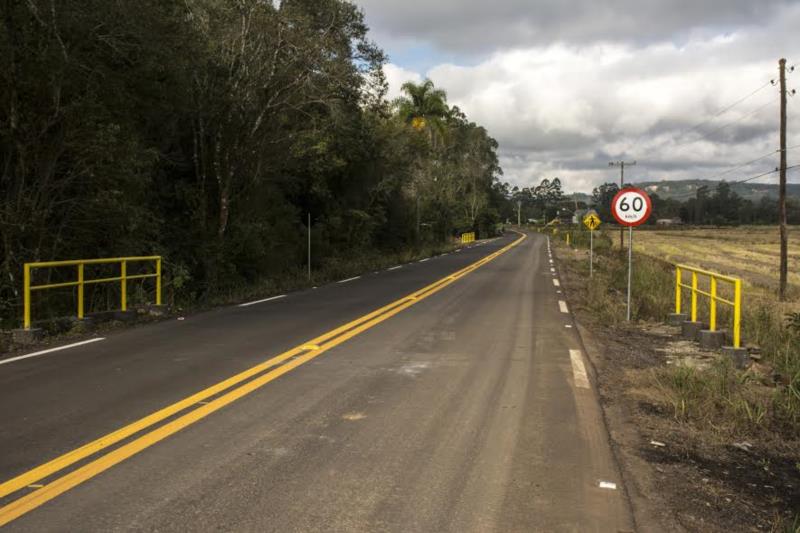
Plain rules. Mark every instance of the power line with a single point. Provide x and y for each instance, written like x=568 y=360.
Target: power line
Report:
x=703 y=122
x=727 y=124
x=689 y=194
x=737 y=167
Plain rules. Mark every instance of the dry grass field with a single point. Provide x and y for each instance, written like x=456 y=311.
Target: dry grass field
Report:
x=751 y=253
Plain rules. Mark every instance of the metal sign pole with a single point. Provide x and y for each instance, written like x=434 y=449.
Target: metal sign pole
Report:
x=591 y=253
x=309 y=246
x=630 y=267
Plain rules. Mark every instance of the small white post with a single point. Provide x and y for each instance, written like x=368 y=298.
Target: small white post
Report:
x=630 y=267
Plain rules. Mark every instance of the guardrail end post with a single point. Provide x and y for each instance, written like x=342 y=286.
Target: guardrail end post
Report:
x=26 y=319
x=80 y=291
x=158 y=281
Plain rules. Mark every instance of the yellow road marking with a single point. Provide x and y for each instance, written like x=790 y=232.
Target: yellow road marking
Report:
x=339 y=335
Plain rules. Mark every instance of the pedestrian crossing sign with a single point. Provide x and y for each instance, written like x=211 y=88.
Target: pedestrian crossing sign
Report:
x=591 y=221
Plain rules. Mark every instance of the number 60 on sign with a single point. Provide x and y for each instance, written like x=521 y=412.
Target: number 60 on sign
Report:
x=631 y=207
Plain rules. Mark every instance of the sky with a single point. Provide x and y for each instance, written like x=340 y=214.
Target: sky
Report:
x=566 y=86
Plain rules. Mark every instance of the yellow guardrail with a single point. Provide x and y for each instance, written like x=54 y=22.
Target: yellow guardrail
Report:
x=713 y=297
x=81 y=281
x=467 y=237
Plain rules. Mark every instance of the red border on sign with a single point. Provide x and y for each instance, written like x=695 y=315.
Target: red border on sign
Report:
x=647 y=202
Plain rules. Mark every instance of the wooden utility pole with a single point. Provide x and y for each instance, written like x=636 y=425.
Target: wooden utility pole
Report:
x=621 y=165
x=782 y=193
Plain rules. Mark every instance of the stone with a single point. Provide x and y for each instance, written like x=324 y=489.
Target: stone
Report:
x=125 y=316
x=157 y=310
x=676 y=319
x=25 y=337
x=739 y=356
x=712 y=339
x=691 y=330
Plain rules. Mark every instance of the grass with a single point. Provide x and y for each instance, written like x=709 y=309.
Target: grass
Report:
x=763 y=401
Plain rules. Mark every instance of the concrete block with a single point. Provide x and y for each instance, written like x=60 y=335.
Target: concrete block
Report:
x=676 y=319
x=691 y=330
x=712 y=339
x=125 y=316
x=27 y=336
x=739 y=356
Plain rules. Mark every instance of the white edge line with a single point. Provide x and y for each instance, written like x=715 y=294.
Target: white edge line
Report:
x=349 y=279
x=556 y=282
x=426 y=259
x=248 y=304
x=395 y=267
x=51 y=350
x=562 y=306
x=578 y=369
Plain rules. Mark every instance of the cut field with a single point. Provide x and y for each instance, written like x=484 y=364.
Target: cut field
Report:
x=751 y=253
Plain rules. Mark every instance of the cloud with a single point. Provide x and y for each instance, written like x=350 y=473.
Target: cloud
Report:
x=567 y=108
x=396 y=76
x=477 y=26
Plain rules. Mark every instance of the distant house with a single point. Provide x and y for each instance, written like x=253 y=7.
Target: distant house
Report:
x=669 y=222
x=565 y=216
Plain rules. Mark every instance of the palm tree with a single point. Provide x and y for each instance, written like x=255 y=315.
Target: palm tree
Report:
x=424 y=107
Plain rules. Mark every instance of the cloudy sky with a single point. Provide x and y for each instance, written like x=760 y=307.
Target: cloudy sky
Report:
x=566 y=86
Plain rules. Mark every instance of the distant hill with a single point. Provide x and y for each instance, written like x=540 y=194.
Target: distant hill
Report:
x=685 y=189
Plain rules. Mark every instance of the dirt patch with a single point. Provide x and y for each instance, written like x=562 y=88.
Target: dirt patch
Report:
x=680 y=476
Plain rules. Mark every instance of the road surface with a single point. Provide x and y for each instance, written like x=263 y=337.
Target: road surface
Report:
x=445 y=395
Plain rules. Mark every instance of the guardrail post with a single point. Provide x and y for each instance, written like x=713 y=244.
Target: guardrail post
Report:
x=158 y=281
x=694 y=296
x=678 y=280
x=737 y=313
x=80 y=291
x=123 y=284
x=26 y=320
x=712 y=314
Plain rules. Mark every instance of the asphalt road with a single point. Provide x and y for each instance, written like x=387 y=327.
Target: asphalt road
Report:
x=466 y=407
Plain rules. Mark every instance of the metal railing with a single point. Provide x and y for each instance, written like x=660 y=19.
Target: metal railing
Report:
x=81 y=281
x=713 y=297
x=467 y=237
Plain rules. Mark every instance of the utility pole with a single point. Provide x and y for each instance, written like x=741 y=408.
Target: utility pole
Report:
x=519 y=213
x=309 y=246
x=621 y=165
x=782 y=195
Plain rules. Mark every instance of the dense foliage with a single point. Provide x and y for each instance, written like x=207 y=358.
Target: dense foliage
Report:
x=206 y=131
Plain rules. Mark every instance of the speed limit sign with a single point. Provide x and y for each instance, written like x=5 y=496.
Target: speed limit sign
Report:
x=631 y=206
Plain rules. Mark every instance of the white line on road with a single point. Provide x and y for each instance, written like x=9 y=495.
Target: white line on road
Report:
x=395 y=268
x=578 y=370
x=248 y=304
x=51 y=350
x=426 y=259
x=349 y=279
x=562 y=306
x=556 y=283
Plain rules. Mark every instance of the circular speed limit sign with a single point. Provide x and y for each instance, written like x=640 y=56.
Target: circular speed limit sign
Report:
x=631 y=206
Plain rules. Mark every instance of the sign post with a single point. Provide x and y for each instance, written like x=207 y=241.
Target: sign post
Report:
x=631 y=207
x=592 y=221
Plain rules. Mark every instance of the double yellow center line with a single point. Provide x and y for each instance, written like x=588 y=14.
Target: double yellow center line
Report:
x=236 y=386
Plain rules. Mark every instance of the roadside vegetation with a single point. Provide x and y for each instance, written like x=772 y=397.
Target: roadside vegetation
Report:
x=208 y=131
x=737 y=427
x=763 y=398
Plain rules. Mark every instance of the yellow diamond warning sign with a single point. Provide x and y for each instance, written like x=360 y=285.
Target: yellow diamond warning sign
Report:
x=591 y=221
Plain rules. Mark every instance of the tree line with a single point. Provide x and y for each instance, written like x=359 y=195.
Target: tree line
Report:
x=207 y=131
x=721 y=206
